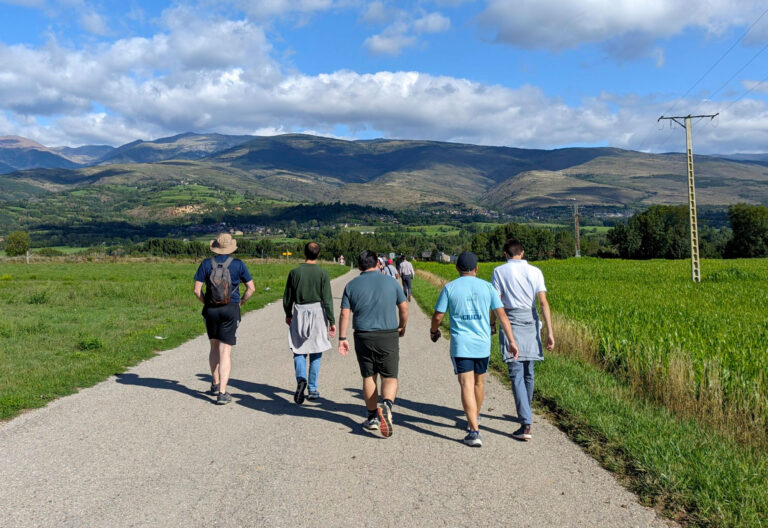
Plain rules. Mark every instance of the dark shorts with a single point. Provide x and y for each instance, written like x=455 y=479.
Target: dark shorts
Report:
x=221 y=322
x=476 y=365
x=378 y=353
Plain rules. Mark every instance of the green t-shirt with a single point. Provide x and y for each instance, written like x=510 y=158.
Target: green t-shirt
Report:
x=309 y=283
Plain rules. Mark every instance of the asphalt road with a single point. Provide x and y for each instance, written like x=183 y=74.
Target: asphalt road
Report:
x=150 y=448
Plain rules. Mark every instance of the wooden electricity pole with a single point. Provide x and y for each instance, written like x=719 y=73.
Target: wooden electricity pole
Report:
x=686 y=124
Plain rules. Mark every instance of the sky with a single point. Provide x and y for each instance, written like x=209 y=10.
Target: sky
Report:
x=519 y=73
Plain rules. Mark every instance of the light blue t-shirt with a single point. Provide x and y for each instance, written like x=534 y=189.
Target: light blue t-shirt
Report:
x=469 y=301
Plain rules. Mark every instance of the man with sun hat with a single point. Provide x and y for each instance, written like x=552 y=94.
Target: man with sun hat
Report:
x=221 y=311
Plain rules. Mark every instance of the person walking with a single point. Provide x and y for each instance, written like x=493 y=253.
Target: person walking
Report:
x=222 y=275
x=520 y=286
x=469 y=300
x=380 y=314
x=389 y=269
x=406 y=276
x=308 y=305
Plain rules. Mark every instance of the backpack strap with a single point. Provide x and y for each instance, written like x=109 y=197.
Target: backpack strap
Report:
x=228 y=262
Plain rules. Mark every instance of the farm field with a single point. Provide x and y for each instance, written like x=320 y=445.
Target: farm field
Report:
x=663 y=380
x=70 y=325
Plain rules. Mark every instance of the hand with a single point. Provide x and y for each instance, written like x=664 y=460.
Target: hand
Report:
x=493 y=329
x=242 y=302
x=343 y=348
x=401 y=331
x=513 y=350
x=332 y=331
x=288 y=320
x=550 y=342
x=434 y=336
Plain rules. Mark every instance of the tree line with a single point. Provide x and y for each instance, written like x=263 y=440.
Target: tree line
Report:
x=662 y=231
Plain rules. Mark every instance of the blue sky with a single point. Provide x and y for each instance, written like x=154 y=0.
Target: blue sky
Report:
x=520 y=73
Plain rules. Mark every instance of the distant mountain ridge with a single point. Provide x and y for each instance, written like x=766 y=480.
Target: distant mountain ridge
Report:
x=400 y=174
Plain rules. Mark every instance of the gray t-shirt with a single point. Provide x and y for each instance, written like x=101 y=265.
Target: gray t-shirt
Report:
x=373 y=299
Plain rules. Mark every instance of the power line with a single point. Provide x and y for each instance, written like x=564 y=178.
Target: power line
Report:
x=709 y=70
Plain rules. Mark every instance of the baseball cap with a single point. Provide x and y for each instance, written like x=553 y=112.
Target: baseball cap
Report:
x=467 y=261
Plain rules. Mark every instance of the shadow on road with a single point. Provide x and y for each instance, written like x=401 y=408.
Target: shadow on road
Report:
x=160 y=383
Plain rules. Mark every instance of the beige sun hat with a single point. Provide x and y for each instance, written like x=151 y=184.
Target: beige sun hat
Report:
x=224 y=244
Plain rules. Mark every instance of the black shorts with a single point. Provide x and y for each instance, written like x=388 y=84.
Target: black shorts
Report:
x=378 y=352
x=221 y=322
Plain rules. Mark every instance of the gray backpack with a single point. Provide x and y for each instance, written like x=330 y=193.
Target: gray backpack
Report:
x=218 y=289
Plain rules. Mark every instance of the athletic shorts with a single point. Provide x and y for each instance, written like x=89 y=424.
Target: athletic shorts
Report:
x=221 y=322
x=378 y=352
x=476 y=365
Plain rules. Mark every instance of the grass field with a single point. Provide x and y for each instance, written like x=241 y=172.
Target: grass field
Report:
x=71 y=325
x=662 y=380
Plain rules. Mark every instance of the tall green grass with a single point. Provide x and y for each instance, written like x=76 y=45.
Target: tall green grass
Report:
x=612 y=320
x=71 y=325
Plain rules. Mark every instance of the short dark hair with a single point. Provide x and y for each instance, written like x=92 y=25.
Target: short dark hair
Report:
x=311 y=250
x=513 y=247
x=367 y=260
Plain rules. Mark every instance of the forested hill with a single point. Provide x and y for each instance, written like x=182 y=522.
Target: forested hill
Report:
x=399 y=174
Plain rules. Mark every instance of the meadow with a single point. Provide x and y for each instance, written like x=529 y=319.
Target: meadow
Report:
x=69 y=325
x=662 y=380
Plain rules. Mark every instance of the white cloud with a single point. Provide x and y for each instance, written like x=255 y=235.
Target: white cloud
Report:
x=211 y=74
x=270 y=8
x=559 y=24
x=432 y=23
x=404 y=31
x=94 y=23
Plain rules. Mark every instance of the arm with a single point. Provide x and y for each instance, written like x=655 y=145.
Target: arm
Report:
x=288 y=297
x=547 y=319
x=343 y=323
x=402 y=312
x=328 y=304
x=199 y=291
x=434 y=330
x=249 y=289
x=501 y=315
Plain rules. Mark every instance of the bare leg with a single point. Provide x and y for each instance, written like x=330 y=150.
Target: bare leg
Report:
x=225 y=365
x=213 y=360
x=389 y=389
x=370 y=393
x=468 y=400
x=479 y=393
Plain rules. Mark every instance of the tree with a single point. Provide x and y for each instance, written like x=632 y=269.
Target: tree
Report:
x=18 y=244
x=750 y=231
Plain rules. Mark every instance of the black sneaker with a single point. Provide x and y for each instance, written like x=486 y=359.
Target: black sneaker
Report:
x=524 y=433
x=298 y=396
x=473 y=439
x=385 y=417
x=313 y=395
x=224 y=398
x=214 y=389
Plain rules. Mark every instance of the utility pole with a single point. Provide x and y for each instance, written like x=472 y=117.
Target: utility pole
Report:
x=686 y=124
x=576 y=228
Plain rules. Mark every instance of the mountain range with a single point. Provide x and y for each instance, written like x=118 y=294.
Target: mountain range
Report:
x=394 y=174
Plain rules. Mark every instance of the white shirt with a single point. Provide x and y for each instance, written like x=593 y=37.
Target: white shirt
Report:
x=406 y=268
x=518 y=283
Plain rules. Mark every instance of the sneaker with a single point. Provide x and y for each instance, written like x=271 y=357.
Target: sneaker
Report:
x=313 y=395
x=214 y=389
x=524 y=433
x=473 y=439
x=371 y=424
x=224 y=398
x=385 y=419
x=298 y=396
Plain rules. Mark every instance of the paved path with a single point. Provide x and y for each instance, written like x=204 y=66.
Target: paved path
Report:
x=149 y=448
